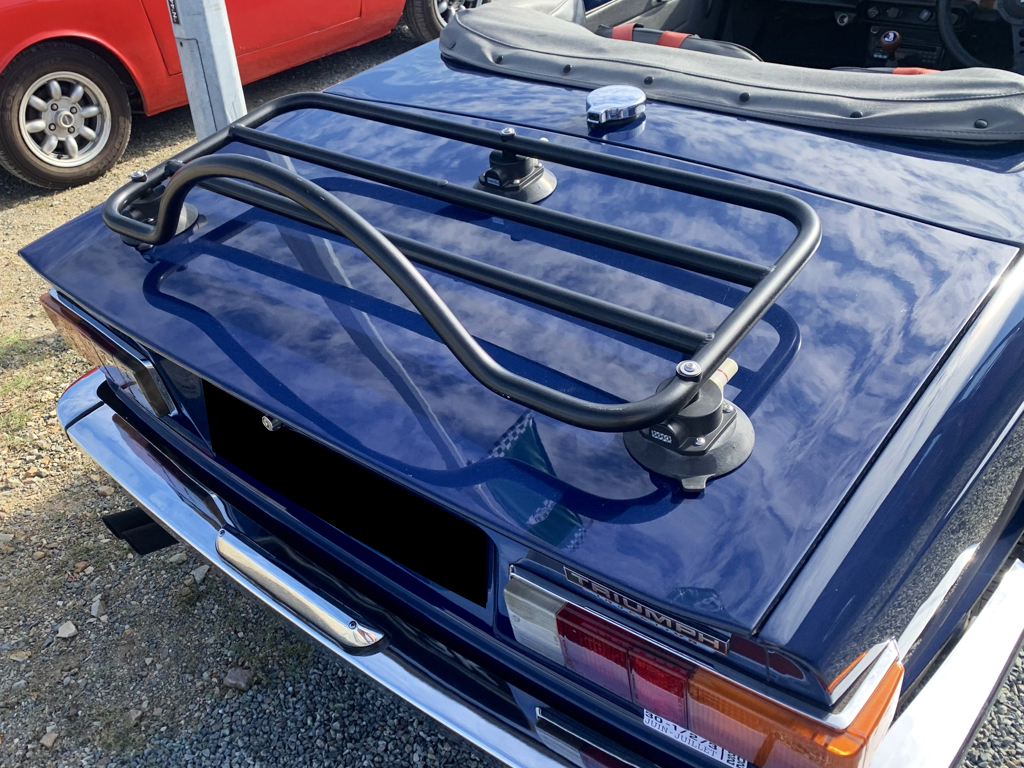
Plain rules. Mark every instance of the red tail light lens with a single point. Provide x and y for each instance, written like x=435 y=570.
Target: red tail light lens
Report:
x=611 y=657
x=595 y=650
x=703 y=709
x=659 y=686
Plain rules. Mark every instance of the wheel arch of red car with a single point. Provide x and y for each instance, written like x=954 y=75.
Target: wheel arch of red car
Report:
x=115 y=60
x=149 y=92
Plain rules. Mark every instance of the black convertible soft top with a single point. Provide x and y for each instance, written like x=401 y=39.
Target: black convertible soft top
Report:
x=542 y=39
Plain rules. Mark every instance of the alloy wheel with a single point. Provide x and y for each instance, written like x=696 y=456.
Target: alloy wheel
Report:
x=64 y=119
x=445 y=9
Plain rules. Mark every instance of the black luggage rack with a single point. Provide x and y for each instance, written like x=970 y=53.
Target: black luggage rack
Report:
x=147 y=211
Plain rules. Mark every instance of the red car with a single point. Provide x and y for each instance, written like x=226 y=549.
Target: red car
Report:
x=72 y=74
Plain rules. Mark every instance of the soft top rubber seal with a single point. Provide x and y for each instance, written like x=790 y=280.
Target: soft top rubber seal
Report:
x=513 y=38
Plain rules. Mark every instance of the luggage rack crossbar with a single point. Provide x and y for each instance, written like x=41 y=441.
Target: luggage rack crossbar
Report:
x=281 y=191
x=628 y=321
x=675 y=254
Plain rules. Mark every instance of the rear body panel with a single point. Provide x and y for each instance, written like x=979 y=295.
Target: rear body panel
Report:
x=508 y=704
x=967 y=187
x=825 y=378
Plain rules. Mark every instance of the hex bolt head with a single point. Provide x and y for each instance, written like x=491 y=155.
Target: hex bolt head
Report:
x=71 y=129
x=689 y=369
x=698 y=441
x=52 y=127
x=271 y=423
x=74 y=110
x=138 y=176
x=53 y=106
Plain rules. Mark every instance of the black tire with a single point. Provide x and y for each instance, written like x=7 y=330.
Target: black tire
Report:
x=424 y=19
x=59 y=166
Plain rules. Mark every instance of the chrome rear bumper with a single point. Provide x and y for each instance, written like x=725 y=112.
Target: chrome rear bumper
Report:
x=931 y=733
x=194 y=516
x=936 y=727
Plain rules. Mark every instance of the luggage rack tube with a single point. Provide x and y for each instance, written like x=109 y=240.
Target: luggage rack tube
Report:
x=627 y=321
x=766 y=283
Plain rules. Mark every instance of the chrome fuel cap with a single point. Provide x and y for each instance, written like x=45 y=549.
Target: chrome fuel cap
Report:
x=615 y=104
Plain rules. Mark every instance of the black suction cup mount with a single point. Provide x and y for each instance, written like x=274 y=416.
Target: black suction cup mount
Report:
x=708 y=438
x=146 y=208
x=517 y=177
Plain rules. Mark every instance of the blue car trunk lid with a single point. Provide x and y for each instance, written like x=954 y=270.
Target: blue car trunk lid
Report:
x=302 y=325
x=969 y=187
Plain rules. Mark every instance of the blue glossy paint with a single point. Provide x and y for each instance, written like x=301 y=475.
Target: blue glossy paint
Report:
x=453 y=646
x=876 y=309
x=973 y=188
x=915 y=513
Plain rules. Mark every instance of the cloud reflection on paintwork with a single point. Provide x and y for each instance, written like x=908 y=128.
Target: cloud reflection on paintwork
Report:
x=874 y=307
x=971 y=187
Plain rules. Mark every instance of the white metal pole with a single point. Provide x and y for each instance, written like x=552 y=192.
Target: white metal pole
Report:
x=207 y=55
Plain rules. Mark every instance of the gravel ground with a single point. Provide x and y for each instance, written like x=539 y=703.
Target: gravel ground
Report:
x=1000 y=742
x=143 y=678
x=107 y=659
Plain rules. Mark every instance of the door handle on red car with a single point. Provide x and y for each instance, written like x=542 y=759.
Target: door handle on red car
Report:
x=289 y=592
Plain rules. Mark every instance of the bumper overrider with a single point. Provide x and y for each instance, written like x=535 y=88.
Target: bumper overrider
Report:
x=933 y=730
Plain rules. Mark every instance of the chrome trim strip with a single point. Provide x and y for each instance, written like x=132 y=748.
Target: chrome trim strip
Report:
x=170 y=497
x=291 y=592
x=567 y=736
x=77 y=401
x=934 y=729
x=930 y=607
